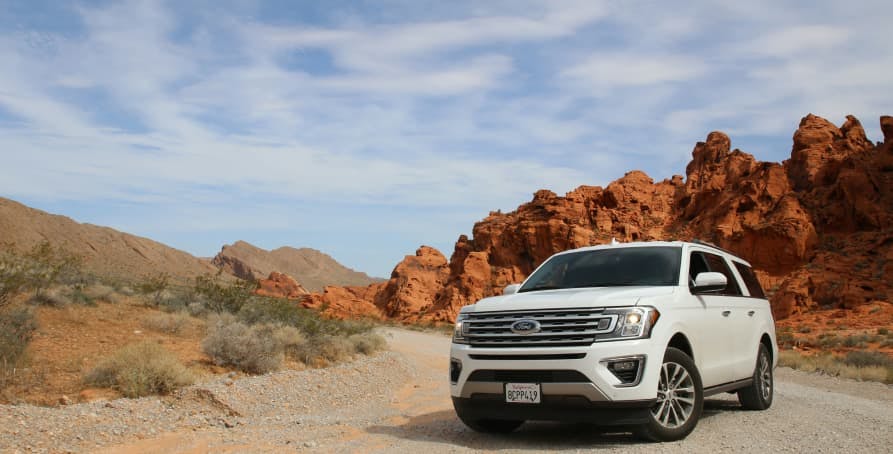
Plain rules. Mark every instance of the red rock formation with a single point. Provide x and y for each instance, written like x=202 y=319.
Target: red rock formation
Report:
x=817 y=228
x=280 y=285
x=346 y=302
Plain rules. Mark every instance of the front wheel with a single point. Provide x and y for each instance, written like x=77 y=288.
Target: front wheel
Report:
x=680 y=399
x=758 y=395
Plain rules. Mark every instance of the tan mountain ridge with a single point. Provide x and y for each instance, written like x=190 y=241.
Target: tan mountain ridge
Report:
x=309 y=267
x=105 y=251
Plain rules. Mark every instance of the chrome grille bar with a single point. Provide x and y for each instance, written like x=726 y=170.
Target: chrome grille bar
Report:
x=558 y=327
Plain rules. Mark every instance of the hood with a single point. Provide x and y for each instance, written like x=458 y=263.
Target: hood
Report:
x=571 y=298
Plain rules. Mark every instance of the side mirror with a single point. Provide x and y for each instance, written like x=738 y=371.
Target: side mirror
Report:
x=511 y=289
x=709 y=283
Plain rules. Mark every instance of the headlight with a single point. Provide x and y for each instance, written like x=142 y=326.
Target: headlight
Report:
x=632 y=323
x=460 y=330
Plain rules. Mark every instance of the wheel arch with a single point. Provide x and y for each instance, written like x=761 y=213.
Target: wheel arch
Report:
x=681 y=342
x=766 y=340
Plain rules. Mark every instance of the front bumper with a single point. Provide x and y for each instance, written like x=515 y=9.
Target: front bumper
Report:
x=599 y=391
x=555 y=408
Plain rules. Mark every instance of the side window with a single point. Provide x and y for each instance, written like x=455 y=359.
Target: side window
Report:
x=696 y=265
x=750 y=280
x=718 y=265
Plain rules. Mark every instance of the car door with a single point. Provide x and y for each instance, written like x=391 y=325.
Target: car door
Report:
x=749 y=311
x=712 y=325
x=738 y=313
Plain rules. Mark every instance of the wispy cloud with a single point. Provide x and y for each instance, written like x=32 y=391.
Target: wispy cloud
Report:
x=401 y=111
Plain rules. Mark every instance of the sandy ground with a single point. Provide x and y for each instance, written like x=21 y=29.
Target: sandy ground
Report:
x=399 y=402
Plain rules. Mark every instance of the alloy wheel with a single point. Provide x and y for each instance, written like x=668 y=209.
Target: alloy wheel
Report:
x=675 y=396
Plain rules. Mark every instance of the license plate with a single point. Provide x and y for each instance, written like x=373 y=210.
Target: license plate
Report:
x=522 y=393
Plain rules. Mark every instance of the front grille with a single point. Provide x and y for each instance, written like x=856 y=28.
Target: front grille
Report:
x=528 y=376
x=559 y=356
x=558 y=328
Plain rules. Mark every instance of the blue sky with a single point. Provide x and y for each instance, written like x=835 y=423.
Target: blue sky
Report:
x=365 y=129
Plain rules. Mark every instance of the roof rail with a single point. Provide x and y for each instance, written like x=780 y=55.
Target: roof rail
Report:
x=709 y=244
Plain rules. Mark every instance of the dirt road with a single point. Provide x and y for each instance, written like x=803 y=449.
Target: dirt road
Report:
x=399 y=402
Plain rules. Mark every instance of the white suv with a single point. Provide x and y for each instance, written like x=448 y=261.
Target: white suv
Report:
x=633 y=334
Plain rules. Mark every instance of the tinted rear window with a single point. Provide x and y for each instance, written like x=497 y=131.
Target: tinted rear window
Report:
x=750 y=280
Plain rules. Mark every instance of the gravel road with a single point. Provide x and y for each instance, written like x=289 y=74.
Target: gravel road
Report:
x=398 y=401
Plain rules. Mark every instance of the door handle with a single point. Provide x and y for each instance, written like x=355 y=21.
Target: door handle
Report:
x=726 y=313
x=750 y=313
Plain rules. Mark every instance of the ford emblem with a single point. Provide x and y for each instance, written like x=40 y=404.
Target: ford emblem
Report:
x=526 y=326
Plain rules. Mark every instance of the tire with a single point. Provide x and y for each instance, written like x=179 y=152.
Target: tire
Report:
x=758 y=395
x=680 y=399
x=491 y=426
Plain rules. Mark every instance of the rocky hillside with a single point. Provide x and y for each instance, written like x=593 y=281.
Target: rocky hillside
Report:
x=311 y=268
x=105 y=251
x=817 y=227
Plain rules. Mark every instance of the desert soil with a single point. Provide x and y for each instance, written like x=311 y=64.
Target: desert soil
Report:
x=398 y=401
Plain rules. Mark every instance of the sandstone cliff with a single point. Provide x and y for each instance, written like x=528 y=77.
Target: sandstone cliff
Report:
x=817 y=227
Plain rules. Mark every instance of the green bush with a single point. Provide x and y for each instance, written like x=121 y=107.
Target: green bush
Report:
x=223 y=297
x=139 y=370
x=17 y=327
x=883 y=331
x=153 y=287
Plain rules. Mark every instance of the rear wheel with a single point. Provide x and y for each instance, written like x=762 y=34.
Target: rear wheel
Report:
x=758 y=395
x=680 y=399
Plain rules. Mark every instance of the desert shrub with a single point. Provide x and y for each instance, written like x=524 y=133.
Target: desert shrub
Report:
x=52 y=297
x=252 y=349
x=276 y=311
x=221 y=296
x=785 y=339
x=883 y=331
x=17 y=327
x=368 y=343
x=856 y=340
x=866 y=358
x=101 y=292
x=290 y=339
x=837 y=366
x=140 y=370
x=197 y=309
x=328 y=348
x=804 y=330
x=171 y=323
x=153 y=287
x=12 y=276
x=827 y=341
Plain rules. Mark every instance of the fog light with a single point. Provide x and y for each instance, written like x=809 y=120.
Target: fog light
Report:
x=628 y=370
x=624 y=366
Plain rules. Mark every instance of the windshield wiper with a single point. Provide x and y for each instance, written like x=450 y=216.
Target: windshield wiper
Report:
x=540 y=287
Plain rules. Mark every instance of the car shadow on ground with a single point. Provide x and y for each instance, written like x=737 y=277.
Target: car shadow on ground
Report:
x=444 y=427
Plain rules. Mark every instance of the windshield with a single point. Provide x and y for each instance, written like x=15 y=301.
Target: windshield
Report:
x=658 y=265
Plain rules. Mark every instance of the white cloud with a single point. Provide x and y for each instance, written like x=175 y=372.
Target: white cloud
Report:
x=601 y=73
